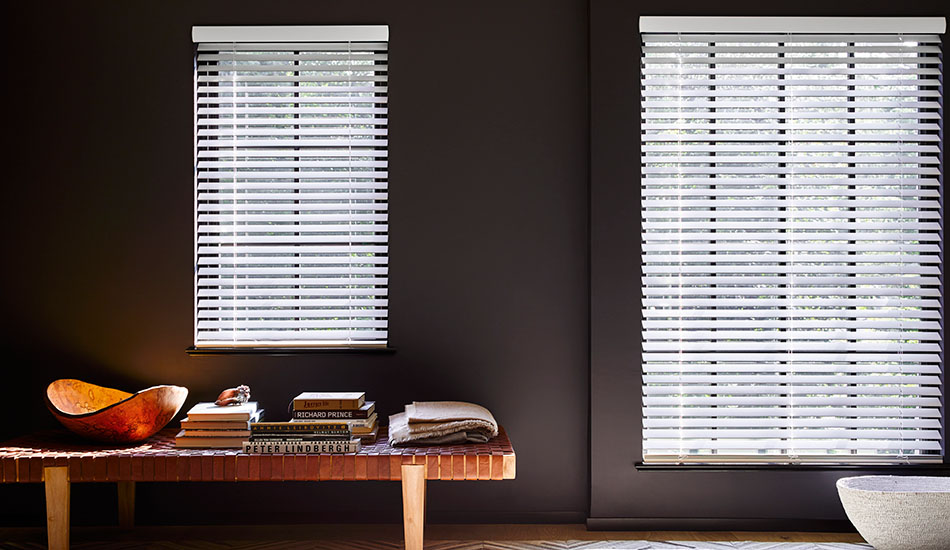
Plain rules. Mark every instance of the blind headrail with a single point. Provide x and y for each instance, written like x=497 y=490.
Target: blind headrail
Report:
x=292 y=33
x=864 y=25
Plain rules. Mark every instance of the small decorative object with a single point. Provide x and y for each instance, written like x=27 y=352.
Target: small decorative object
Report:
x=234 y=396
x=899 y=512
x=110 y=415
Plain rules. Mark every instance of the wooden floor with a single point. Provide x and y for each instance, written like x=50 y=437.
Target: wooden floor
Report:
x=90 y=536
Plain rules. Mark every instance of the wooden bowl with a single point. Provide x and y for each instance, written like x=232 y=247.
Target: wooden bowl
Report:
x=111 y=415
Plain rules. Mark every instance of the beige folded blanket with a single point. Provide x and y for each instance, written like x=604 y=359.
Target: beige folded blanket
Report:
x=441 y=423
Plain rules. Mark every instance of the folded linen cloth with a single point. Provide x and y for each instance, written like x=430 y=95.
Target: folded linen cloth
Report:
x=441 y=423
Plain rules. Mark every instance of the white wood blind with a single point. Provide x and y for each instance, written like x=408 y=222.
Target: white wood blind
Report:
x=791 y=247
x=291 y=188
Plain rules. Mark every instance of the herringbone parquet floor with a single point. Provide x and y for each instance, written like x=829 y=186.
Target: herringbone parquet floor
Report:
x=447 y=545
x=439 y=537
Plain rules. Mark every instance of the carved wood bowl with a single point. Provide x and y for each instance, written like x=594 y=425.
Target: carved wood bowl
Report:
x=111 y=415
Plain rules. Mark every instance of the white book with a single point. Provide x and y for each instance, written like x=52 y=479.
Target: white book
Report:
x=210 y=411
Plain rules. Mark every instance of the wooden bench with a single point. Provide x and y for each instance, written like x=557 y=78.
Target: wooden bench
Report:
x=58 y=458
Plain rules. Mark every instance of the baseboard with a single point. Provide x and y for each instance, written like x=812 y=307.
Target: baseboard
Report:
x=719 y=524
x=393 y=517
x=504 y=517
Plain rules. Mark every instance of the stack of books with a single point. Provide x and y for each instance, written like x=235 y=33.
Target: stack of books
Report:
x=300 y=438
x=208 y=425
x=350 y=408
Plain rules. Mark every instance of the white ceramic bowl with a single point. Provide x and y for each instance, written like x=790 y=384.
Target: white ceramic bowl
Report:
x=899 y=512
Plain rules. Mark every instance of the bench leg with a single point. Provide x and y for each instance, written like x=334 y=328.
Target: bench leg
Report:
x=413 y=504
x=56 y=480
x=126 y=504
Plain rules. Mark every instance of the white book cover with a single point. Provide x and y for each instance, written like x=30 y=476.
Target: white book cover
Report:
x=210 y=411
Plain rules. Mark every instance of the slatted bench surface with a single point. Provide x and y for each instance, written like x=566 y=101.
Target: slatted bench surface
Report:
x=157 y=459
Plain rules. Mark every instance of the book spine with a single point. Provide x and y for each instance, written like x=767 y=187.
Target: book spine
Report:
x=297 y=427
x=327 y=404
x=357 y=422
x=330 y=415
x=220 y=418
x=215 y=426
x=301 y=447
x=191 y=432
x=314 y=433
x=307 y=437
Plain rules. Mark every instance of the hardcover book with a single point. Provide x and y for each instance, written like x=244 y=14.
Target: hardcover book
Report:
x=365 y=411
x=209 y=411
x=185 y=441
x=292 y=438
x=363 y=430
x=330 y=428
x=351 y=424
x=328 y=401
x=369 y=437
x=191 y=432
x=190 y=424
x=302 y=447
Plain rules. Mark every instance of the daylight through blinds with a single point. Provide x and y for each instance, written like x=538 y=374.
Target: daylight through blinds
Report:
x=291 y=189
x=791 y=253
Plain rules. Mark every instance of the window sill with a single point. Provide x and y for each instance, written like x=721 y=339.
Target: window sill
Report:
x=289 y=351
x=640 y=466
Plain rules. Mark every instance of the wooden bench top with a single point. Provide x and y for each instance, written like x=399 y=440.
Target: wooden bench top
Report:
x=157 y=459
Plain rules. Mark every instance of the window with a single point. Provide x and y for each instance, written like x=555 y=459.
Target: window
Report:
x=291 y=186
x=791 y=241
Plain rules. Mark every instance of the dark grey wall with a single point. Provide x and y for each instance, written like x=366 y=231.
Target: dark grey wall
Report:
x=488 y=195
x=621 y=495
x=489 y=249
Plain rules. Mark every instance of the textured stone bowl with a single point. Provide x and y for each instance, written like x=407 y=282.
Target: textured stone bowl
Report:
x=111 y=415
x=899 y=512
